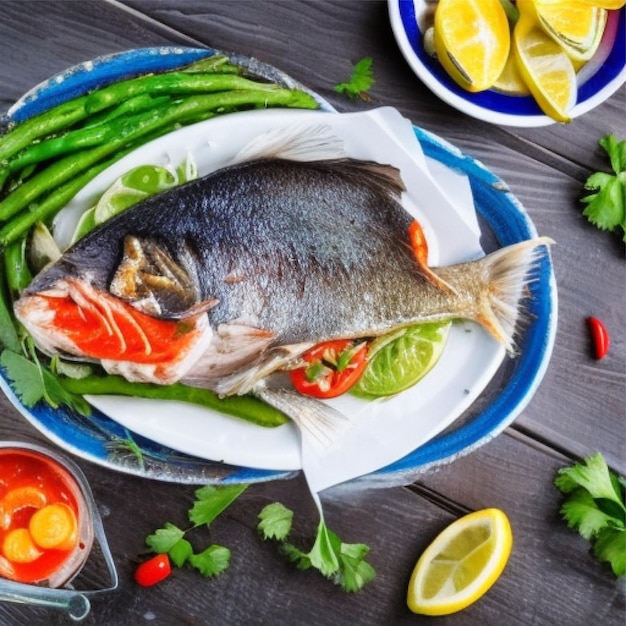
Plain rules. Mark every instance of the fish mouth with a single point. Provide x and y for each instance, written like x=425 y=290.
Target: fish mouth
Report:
x=74 y=318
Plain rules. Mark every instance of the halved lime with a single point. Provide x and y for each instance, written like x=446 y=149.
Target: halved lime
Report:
x=399 y=360
x=135 y=185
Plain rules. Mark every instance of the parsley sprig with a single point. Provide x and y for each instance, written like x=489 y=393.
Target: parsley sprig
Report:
x=33 y=382
x=595 y=506
x=210 y=501
x=344 y=563
x=606 y=204
x=360 y=81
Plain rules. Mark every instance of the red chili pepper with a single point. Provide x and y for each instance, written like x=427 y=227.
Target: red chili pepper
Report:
x=153 y=570
x=332 y=368
x=599 y=336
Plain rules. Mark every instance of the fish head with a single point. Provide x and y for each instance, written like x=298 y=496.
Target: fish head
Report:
x=72 y=317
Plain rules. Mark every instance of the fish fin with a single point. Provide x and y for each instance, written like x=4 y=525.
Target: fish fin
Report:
x=231 y=358
x=505 y=274
x=420 y=249
x=322 y=425
x=299 y=142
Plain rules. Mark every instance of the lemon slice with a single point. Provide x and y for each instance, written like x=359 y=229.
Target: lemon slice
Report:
x=578 y=27
x=511 y=81
x=472 y=41
x=545 y=68
x=399 y=360
x=606 y=4
x=461 y=564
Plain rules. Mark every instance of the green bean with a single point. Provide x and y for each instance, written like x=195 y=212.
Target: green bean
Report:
x=142 y=102
x=16 y=228
x=8 y=333
x=188 y=109
x=68 y=113
x=245 y=407
x=217 y=63
x=18 y=274
x=75 y=140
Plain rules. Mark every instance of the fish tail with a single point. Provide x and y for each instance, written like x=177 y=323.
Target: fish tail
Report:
x=506 y=274
x=489 y=290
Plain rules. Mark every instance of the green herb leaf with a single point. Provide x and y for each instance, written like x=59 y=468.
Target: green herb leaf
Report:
x=324 y=553
x=212 y=561
x=595 y=506
x=164 y=539
x=180 y=552
x=275 y=521
x=212 y=500
x=344 y=563
x=582 y=513
x=361 y=80
x=606 y=204
x=592 y=475
x=610 y=546
x=32 y=383
x=354 y=571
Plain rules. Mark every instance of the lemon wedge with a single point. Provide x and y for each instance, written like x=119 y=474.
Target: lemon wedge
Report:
x=461 y=564
x=578 y=27
x=545 y=68
x=511 y=81
x=606 y=4
x=472 y=41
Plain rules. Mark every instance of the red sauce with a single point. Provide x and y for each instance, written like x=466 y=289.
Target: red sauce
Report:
x=28 y=482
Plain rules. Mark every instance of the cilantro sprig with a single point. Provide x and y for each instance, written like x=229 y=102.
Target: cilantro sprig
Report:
x=360 y=82
x=596 y=508
x=33 y=382
x=606 y=204
x=344 y=563
x=210 y=501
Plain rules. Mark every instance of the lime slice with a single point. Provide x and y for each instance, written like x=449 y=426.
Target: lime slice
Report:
x=135 y=185
x=399 y=360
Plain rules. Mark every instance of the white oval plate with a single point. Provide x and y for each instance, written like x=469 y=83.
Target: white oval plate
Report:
x=158 y=452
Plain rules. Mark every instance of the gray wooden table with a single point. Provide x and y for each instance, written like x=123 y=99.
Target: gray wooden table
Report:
x=551 y=578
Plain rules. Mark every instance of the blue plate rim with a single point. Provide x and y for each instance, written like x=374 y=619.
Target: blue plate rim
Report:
x=101 y=440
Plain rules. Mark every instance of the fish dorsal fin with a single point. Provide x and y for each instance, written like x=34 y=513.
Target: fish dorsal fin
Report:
x=299 y=142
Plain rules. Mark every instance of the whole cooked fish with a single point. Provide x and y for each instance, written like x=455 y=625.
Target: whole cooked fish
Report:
x=226 y=279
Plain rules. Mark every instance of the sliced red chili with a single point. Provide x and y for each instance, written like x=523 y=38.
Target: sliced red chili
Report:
x=331 y=369
x=153 y=570
x=599 y=336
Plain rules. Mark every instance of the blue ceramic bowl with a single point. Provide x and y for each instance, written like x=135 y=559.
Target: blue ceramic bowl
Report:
x=601 y=77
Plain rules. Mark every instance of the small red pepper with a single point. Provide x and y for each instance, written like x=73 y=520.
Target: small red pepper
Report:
x=153 y=570
x=599 y=336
